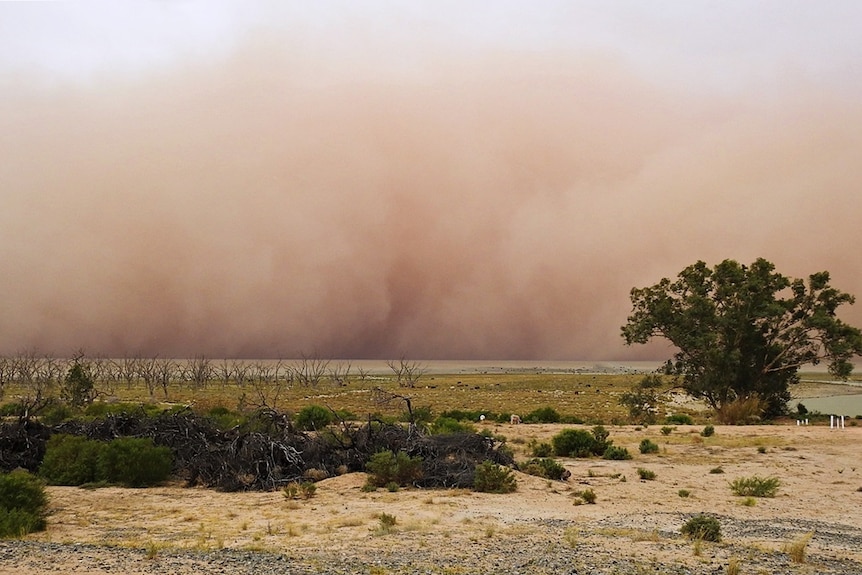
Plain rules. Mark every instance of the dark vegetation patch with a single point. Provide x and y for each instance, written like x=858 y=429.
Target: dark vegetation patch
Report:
x=263 y=451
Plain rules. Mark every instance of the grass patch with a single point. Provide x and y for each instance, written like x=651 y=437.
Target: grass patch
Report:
x=796 y=548
x=755 y=486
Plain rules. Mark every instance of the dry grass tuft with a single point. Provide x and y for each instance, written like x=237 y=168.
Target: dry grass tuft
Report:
x=796 y=548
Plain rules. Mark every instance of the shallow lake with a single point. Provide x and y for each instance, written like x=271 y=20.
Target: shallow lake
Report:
x=850 y=405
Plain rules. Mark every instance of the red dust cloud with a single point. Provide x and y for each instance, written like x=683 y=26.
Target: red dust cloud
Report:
x=494 y=208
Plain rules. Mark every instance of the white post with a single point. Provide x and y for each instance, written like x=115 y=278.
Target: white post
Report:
x=806 y=421
x=842 y=422
x=831 y=421
x=797 y=423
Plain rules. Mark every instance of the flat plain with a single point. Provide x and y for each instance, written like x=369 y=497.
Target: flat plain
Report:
x=544 y=527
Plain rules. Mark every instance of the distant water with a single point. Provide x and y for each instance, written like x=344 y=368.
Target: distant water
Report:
x=456 y=367
x=849 y=405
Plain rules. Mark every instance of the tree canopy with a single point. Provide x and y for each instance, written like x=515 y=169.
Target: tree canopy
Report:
x=744 y=332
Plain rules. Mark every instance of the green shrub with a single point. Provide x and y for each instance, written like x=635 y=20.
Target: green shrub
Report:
x=78 y=387
x=573 y=443
x=683 y=493
x=667 y=430
x=461 y=415
x=702 y=527
x=70 y=460
x=587 y=496
x=679 y=419
x=755 y=486
x=387 y=467
x=23 y=504
x=493 y=478
x=543 y=415
x=422 y=415
x=545 y=467
x=708 y=431
x=571 y=420
x=313 y=418
x=296 y=490
x=646 y=474
x=134 y=462
x=600 y=439
x=648 y=446
x=542 y=449
x=717 y=470
x=444 y=425
x=616 y=453
x=56 y=413
x=11 y=409
x=224 y=418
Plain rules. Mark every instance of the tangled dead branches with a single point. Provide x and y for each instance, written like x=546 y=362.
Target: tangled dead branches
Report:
x=266 y=452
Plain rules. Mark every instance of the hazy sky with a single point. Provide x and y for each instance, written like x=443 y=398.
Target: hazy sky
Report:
x=459 y=180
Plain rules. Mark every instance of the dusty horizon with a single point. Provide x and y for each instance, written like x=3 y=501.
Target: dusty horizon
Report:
x=279 y=200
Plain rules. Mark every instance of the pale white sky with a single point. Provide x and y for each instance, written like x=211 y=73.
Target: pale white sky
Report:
x=711 y=44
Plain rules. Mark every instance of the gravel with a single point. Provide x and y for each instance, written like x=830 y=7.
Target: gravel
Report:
x=602 y=548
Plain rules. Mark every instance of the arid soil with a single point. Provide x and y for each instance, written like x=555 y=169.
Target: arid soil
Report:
x=633 y=527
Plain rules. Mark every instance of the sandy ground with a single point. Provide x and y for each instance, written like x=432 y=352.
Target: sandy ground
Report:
x=820 y=472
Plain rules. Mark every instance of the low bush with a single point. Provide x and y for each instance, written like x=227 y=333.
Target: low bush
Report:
x=646 y=474
x=703 y=528
x=443 y=425
x=23 y=504
x=708 y=431
x=573 y=443
x=667 y=430
x=755 y=486
x=547 y=468
x=679 y=419
x=134 y=462
x=581 y=443
x=70 y=460
x=742 y=411
x=493 y=478
x=313 y=418
x=648 y=446
x=586 y=496
x=616 y=453
x=542 y=449
x=543 y=415
x=224 y=418
x=296 y=490
x=387 y=467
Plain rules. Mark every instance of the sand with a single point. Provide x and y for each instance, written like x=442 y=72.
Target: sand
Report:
x=634 y=522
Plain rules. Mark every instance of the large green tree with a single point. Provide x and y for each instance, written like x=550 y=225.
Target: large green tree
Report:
x=744 y=331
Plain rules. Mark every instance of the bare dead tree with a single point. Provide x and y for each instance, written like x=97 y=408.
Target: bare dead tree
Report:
x=166 y=371
x=362 y=373
x=127 y=370
x=340 y=374
x=278 y=368
x=407 y=373
x=148 y=371
x=103 y=375
x=240 y=370
x=199 y=371
x=24 y=367
x=310 y=370
x=262 y=372
x=223 y=372
x=6 y=373
x=380 y=396
x=36 y=381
